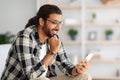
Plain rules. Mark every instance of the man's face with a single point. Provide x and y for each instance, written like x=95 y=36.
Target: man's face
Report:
x=52 y=25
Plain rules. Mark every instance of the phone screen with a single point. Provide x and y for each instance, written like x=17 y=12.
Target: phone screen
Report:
x=89 y=57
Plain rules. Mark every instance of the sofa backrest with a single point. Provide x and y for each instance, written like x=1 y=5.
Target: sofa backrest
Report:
x=3 y=55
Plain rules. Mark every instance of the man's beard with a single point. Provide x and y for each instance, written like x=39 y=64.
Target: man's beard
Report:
x=47 y=31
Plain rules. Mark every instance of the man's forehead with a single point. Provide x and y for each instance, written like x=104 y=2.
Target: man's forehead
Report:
x=54 y=16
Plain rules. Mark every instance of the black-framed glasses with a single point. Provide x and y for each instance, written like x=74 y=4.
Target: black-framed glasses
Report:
x=55 y=23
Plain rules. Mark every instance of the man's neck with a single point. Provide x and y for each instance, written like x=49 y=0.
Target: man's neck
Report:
x=42 y=36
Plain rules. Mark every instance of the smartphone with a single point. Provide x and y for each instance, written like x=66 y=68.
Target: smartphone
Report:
x=89 y=57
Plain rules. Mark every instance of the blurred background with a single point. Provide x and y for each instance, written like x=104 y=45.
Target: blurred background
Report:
x=89 y=26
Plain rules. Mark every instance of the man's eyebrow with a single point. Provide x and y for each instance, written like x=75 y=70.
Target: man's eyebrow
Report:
x=53 y=19
x=57 y=21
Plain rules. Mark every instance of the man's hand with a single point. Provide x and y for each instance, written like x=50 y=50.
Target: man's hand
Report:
x=54 y=43
x=80 y=68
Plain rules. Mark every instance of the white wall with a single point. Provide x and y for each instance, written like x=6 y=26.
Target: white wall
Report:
x=14 y=14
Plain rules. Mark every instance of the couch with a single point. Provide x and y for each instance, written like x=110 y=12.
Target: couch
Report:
x=3 y=55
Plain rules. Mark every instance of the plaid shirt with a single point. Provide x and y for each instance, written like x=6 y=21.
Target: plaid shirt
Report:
x=23 y=60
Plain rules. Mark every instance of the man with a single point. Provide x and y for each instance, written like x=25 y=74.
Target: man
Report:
x=37 y=49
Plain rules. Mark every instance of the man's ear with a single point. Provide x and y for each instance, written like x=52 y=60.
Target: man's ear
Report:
x=41 y=21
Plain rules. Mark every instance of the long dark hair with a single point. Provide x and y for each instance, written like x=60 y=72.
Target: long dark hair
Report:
x=44 y=13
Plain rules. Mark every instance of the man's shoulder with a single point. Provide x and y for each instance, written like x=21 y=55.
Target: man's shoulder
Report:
x=27 y=31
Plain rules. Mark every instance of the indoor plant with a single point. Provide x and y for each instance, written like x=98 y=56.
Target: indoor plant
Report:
x=72 y=33
x=109 y=34
x=6 y=38
x=93 y=16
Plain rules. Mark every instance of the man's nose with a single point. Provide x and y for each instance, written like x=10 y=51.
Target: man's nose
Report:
x=58 y=26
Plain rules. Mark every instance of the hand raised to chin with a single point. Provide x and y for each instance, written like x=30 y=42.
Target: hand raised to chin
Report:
x=54 y=43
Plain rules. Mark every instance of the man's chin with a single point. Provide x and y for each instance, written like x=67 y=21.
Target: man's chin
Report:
x=52 y=35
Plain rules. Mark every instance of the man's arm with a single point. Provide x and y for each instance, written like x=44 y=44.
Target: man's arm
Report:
x=54 y=44
x=63 y=62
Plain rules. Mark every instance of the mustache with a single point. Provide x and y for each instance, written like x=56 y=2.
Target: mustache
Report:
x=55 y=29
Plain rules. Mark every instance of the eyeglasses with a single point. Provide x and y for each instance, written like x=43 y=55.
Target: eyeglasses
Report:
x=55 y=23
